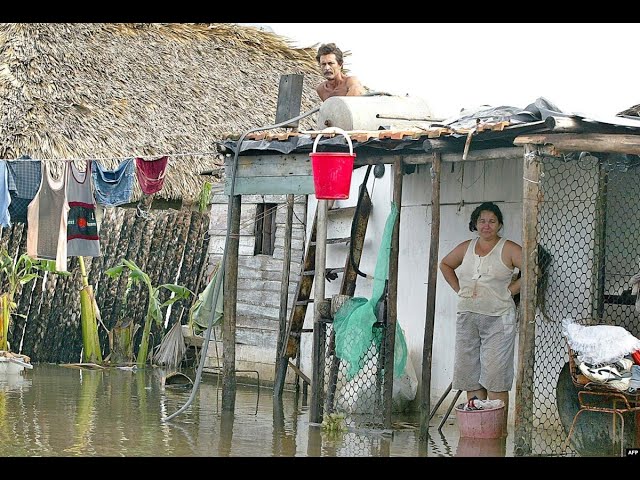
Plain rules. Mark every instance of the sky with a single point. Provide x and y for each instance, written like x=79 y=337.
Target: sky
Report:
x=585 y=68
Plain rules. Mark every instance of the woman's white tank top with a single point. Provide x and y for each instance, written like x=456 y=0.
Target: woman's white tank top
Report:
x=484 y=282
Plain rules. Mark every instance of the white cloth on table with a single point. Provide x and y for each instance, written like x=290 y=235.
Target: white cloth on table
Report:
x=596 y=344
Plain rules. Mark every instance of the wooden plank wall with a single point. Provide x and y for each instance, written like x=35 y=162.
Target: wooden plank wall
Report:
x=259 y=278
x=169 y=245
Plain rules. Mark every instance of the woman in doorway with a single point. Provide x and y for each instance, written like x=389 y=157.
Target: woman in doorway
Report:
x=480 y=271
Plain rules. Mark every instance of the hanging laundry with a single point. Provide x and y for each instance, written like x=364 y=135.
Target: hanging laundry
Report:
x=150 y=174
x=113 y=187
x=82 y=227
x=5 y=197
x=47 y=219
x=25 y=176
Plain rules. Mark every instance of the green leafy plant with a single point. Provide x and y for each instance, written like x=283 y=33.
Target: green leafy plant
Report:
x=334 y=423
x=204 y=197
x=17 y=272
x=154 y=307
x=89 y=316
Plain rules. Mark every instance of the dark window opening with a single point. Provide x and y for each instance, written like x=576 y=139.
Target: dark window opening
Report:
x=265 y=228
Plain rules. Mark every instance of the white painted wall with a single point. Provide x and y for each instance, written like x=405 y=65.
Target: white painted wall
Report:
x=463 y=187
x=380 y=193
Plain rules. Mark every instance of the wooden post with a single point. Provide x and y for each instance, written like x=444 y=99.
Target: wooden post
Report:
x=289 y=98
x=230 y=301
x=281 y=359
x=427 y=348
x=225 y=436
x=392 y=314
x=526 y=340
x=315 y=414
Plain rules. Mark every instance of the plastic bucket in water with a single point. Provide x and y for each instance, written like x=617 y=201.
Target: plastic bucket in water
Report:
x=332 y=170
x=485 y=423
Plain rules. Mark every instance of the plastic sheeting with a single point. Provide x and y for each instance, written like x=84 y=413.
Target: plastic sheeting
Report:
x=597 y=344
x=353 y=322
x=203 y=312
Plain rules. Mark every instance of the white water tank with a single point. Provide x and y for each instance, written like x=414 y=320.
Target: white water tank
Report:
x=374 y=112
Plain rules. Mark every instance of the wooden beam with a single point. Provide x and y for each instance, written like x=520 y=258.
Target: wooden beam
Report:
x=286 y=184
x=392 y=299
x=526 y=341
x=289 y=98
x=281 y=359
x=432 y=278
x=587 y=142
x=299 y=372
x=315 y=413
x=414 y=158
x=229 y=306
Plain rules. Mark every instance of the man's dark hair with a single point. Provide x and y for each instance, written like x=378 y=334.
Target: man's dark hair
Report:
x=484 y=207
x=327 y=49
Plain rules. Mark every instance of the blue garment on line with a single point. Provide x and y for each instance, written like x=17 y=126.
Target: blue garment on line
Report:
x=113 y=187
x=24 y=178
x=5 y=198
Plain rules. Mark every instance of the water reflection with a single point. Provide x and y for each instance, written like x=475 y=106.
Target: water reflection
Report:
x=481 y=447
x=57 y=411
x=439 y=444
x=85 y=413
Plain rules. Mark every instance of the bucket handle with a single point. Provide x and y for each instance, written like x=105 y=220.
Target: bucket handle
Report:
x=337 y=131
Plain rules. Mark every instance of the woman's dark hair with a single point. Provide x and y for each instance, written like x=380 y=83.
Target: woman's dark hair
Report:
x=484 y=207
x=327 y=49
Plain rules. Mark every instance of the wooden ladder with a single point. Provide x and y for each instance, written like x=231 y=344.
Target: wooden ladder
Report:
x=291 y=345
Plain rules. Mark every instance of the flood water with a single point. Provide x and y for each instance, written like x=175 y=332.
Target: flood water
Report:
x=56 y=411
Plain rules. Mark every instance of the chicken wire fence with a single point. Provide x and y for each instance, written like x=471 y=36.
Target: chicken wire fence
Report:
x=357 y=393
x=351 y=444
x=588 y=249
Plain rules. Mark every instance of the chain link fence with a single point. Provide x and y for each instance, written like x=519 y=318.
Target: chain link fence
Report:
x=356 y=391
x=589 y=248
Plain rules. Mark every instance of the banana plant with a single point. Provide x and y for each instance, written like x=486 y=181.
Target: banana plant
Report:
x=89 y=316
x=17 y=272
x=154 y=308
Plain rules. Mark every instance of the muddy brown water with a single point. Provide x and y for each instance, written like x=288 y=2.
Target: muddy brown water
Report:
x=55 y=411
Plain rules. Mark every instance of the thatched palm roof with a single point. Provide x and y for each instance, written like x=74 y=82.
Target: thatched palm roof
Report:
x=633 y=111
x=117 y=90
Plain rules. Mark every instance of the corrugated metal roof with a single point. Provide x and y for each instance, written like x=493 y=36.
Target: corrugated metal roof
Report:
x=485 y=127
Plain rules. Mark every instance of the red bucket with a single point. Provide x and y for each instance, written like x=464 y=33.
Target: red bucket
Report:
x=332 y=170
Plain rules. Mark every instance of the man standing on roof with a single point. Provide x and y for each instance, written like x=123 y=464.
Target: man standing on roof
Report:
x=329 y=58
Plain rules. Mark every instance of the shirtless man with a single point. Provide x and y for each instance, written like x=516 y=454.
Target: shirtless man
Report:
x=329 y=58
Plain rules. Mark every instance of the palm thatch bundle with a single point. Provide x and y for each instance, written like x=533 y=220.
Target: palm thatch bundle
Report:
x=172 y=349
x=110 y=91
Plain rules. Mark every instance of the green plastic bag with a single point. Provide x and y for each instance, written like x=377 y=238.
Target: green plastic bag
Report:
x=353 y=322
x=203 y=312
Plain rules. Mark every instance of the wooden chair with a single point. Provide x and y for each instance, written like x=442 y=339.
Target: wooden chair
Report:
x=598 y=397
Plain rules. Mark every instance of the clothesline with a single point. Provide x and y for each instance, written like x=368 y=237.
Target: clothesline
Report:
x=143 y=157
